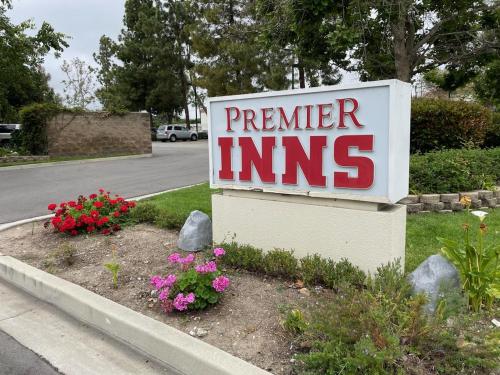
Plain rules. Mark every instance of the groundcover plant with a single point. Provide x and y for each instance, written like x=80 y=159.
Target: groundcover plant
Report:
x=96 y=213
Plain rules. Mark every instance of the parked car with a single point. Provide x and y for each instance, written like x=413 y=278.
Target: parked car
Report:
x=203 y=134
x=6 y=131
x=174 y=132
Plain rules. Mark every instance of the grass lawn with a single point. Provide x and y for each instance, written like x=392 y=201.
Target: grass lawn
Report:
x=421 y=229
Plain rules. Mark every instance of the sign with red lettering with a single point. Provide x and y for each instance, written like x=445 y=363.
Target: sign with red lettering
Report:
x=346 y=142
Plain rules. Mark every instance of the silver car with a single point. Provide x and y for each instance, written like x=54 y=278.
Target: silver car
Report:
x=174 y=132
x=6 y=131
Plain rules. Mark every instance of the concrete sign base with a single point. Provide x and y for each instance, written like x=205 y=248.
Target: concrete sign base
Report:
x=367 y=234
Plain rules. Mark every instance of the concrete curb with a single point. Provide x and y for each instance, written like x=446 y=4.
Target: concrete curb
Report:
x=173 y=348
x=71 y=162
x=13 y=224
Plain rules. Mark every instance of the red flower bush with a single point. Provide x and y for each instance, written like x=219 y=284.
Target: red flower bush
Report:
x=95 y=213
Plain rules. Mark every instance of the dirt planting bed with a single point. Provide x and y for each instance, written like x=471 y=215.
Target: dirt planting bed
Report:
x=246 y=323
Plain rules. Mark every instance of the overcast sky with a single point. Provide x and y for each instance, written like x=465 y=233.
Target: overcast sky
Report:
x=85 y=21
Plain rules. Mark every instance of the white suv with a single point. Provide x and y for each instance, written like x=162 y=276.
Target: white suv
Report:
x=6 y=131
x=175 y=132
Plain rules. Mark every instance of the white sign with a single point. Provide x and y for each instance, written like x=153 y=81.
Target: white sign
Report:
x=346 y=142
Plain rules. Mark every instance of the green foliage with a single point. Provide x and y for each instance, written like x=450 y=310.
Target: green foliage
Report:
x=492 y=137
x=170 y=210
x=439 y=124
x=22 y=52
x=200 y=284
x=279 y=262
x=113 y=267
x=312 y=269
x=451 y=171
x=478 y=265
x=33 y=133
x=486 y=85
x=294 y=322
x=422 y=231
x=243 y=256
x=378 y=329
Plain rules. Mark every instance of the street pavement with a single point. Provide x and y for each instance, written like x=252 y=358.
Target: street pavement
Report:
x=25 y=193
x=15 y=359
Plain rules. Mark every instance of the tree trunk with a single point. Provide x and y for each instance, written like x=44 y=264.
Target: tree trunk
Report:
x=404 y=35
x=302 y=77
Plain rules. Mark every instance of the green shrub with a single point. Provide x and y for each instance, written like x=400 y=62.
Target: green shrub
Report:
x=312 y=269
x=451 y=171
x=442 y=124
x=279 y=262
x=294 y=322
x=492 y=138
x=170 y=219
x=243 y=256
x=33 y=135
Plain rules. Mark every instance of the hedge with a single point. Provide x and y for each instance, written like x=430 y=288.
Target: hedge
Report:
x=446 y=124
x=452 y=171
x=33 y=134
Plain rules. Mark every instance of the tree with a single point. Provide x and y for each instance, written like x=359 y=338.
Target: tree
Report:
x=487 y=85
x=231 y=58
x=79 y=85
x=298 y=27
x=22 y=52
x=138 y=72
x=401 y=38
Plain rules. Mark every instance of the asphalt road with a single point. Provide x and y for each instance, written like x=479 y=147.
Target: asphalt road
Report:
x=25 y=193
x=15 y=359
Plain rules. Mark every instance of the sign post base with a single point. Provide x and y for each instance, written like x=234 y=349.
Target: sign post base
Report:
x=366 y=234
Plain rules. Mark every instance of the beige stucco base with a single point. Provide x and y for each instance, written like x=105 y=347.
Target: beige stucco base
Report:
x=368 y=235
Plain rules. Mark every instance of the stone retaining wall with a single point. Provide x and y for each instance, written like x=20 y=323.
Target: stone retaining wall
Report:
x=17 y=158
x=99 y=134
x=451 y=202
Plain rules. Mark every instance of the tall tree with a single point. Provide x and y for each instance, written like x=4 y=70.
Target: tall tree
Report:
x=401 y=38
x=22 y=52
x=231 y=58
x=138 y=71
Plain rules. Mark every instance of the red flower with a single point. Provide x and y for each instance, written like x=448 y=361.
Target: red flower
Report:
x=87 y=220
x=92 y=196
x=52 y=206
x=120 y=199
x=94 y=214
x=101 y=190
x=131 y=204
x=124 y=208
x=79 y=207
x=62 y=205
x=113 y=202
x=72 y=204
x=59 y=212
x=98 y=204
x=116 y=227
x=56 y=220
x=116 y=214
x=105 y=231
x=90 y=228
x=102 y=221
x=73 y=232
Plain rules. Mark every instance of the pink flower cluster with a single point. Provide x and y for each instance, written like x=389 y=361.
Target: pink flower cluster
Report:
x=181 y=303
x=218 y=252
x=220 y=283
x=208 y=267
x=176 y=258
x=159 y=283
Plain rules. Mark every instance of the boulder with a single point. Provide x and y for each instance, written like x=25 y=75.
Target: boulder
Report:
x=196 y=233
x=431 y=275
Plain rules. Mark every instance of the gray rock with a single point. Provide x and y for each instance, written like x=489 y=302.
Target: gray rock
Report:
x=457 y=206
x=429 y=198
x=491 y=203
x=431 y=275
x=448 y=198
x=485 y=194
x=196 y=233
x=412 y=208
x=471 y=194
x=434 y=207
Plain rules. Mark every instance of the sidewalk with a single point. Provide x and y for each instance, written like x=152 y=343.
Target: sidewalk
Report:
x=68 y=345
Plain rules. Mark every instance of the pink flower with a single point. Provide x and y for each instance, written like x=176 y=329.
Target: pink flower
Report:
x=174 y=258
x=181 y=303
x=160 y=282
x=188 y=259
x=207 y=267
x=155 y=281
x=218 y=252
x=170 y=280
x=164 y=294
x=220 y=283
